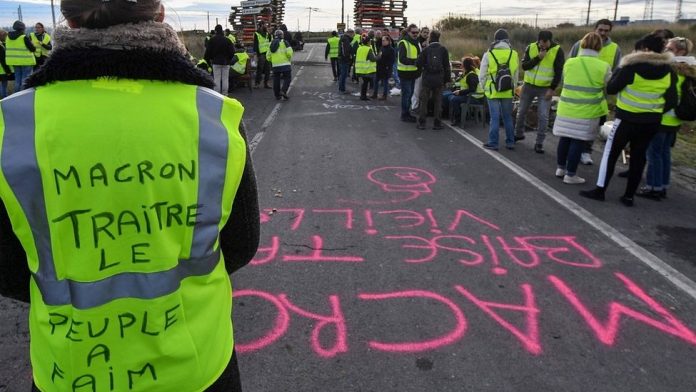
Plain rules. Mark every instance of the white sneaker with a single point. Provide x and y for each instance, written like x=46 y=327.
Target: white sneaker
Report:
x=586 y=158
x=573 y=180
x=395 y=92
x=560 y=173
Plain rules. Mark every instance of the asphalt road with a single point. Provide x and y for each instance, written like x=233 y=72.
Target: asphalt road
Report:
x=394 y=259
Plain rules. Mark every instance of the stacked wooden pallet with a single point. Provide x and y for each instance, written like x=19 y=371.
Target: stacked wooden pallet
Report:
x=244 y=17
x=380 y=13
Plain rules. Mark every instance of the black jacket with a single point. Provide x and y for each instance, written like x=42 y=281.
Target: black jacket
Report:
x=345 y=49
x=434 y=79
x=529 y=63
x=239 y=237
x=648 y=65
x=385 y=62
x=219 y=51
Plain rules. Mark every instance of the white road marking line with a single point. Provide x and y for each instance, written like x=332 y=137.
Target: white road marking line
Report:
x=642 y=254
x=274 y=113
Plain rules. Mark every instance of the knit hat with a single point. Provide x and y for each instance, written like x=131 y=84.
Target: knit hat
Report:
x=18 y=26
x=279 y=33
x=501 y=35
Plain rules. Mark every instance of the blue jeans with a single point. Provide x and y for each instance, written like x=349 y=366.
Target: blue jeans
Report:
x=3 y=89
x=343 y=68
x=568 y=154
x=407 y=86
x=660 y=160
x=385 y=87
x=21 y=73
x=501 y=107
x=285 y=76
x=454 y=104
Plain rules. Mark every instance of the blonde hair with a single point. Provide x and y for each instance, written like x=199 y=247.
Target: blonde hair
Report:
x=591 y=41
x=682 y=43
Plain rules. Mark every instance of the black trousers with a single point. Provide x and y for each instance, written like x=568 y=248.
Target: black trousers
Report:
x=229 y=380
x=263 y=69
x=639 y=135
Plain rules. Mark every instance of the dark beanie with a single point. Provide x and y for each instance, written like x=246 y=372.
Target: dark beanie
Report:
x=18 y=26
x=500 y=35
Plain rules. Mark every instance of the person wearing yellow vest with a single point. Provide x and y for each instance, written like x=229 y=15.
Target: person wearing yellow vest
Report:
x=611 y=54
x=280 y=56
x=230 y=36
x=659 y=156
x=239 y=61
x=582 y=104
x=331 y=53
x=19 y=53
x=645 y=85
x=262 y=41
x=407 y=53
x=543 y=66
x=127 y=198
x=355 y=43
x=6 y=71
x=499 y=98
x=42 y=42
x=365 y=65
x=467 y=88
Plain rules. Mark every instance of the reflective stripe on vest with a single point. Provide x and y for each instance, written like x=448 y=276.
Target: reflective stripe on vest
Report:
x=542 y=74
x=583 y=96
x=411 y=53
x=333 y=47
x=608 y=53
x=240 y=65
x=644 y=95
x=363 y=66
x=40 y=51
x=281 y=57
x=264 y=42
x=158 y=317
x=16 y=52
x=502 y=56
x=670 y=118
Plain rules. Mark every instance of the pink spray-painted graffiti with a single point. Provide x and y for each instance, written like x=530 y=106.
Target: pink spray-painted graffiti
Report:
x=407 y=183
x=420 y=237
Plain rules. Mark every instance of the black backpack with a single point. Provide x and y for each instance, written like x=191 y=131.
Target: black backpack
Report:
x=502 y=80
x=433 y=63
x=686 y=110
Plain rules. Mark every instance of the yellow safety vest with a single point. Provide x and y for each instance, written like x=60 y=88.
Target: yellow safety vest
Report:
x=232 y=38
x=583 y=95
x=333 y=47
x=542 y=74
x=16 y=52
x=363 y=66
x=40 y=51
x=280 y=57
x=264 y=42
x=411 y=53
x=608 y=53
x=240 y=65
x=479 y=90
x=2 y=70
x=643 y=95
x=120 y=222
x=670 y=118
x=502 y=56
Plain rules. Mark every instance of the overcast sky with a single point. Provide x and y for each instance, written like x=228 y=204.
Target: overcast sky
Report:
x=187 y=14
